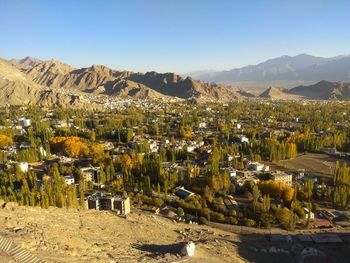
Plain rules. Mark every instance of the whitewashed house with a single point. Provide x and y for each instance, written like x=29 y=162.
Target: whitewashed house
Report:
x=255 y=166
x=24 y=122
x=69 y=180
x=24 y=167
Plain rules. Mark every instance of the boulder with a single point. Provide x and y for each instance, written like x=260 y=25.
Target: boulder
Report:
x=188 y=249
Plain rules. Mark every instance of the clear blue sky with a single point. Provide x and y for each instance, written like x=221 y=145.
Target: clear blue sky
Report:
x=172 y=35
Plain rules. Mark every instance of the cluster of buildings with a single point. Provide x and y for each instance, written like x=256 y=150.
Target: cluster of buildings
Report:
x=101 y=201
x=256 y=171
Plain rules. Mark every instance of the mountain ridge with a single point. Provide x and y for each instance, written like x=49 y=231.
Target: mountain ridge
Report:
x=323 y=90
x=53 y=83
x=54 y=76
x=300 y=67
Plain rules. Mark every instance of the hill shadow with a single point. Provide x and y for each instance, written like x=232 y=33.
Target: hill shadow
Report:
x=276 y=248
x=156 y=250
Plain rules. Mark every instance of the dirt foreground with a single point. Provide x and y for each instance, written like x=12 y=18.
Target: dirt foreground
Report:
x=61 y=235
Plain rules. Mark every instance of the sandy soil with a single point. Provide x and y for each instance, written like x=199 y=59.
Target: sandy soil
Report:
x=60 y=235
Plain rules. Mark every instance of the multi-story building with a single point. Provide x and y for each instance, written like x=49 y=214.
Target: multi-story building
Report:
x=69 y=179
x=282 y=177
x=91 y=174
x=100 y=201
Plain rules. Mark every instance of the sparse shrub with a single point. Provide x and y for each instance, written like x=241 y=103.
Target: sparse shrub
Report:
x=233 y=220
x=180 y=211
x=158 y=202
x=203 y=220
x=283 y=216
x=248 y=222
x=315 y=207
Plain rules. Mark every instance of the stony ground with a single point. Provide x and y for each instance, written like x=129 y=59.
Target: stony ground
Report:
x=61 y=235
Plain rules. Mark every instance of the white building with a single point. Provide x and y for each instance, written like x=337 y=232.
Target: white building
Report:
x=89 y=174
x=230 y=158
x=100 y=201
x=282 y=177
x=232 y=172
x=312 y=215
x=256 y=166
x=24 y=167
x=64 y=159
x=69 y=180
x=153 y=146
x=200 y=144
x=24 y=122
x=202 y=125
x=243 y=138
x=190 y=148
x=165 y=142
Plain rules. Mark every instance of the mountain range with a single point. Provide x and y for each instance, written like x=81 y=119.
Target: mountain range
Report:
x=323 y=90
x=302 y=67
x=51 y=82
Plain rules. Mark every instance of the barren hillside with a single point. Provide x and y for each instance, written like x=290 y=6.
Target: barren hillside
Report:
x=324 y=90
x=70 y=235
x=99 y=79
x=17 y=89
x=277 y=93
x=60 y=235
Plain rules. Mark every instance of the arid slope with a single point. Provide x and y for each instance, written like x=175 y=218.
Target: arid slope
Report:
x=61 y=235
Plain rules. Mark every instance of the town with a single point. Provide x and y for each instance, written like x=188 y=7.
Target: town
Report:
x=224 y=163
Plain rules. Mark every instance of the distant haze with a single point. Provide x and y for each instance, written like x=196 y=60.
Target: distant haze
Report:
x=284 y=71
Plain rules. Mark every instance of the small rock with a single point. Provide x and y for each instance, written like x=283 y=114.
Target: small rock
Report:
x=188 y=249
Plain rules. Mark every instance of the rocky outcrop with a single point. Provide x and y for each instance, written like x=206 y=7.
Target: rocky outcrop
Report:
x=99 y=79
x=324 y=90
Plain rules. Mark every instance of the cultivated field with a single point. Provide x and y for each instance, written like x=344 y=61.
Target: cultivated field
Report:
x=320 y=164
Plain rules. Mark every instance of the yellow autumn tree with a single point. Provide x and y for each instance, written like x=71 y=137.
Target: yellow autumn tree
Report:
x=97 y=150
x=71 y=146
x=74 y=147
x=277 y=190
x=185 y=132
x=126 y=162
x=97 y=153
x=5 y=140
x=56 y=144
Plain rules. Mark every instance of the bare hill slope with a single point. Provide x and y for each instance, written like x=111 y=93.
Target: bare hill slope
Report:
x=277 y=93
x=99 y=79
x=324 y=90
x=17 y=89
x=61 y=235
